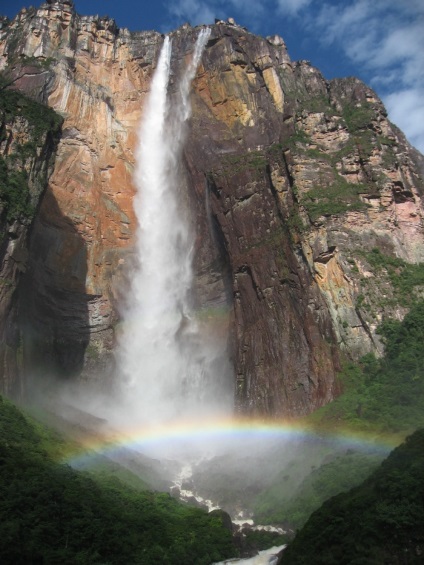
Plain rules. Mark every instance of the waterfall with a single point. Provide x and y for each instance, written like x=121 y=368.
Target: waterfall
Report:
x=167 y=365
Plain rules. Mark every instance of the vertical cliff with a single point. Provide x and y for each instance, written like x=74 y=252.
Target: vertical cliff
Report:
x=29 y=133
x=305 y=202
x=82 y=68
x=308 y=183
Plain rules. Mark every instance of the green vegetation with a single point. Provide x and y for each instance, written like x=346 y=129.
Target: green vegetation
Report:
x=318 y=154
x=39 y=62
x=336 y=198
x=44 y=124
x=294 y=222
x=287 y=505
x=40 y=118
x=405 y=278
x=292 y=142
x=384 y=395
x=14 y=193
x=50 y=513
x=383 y=140
x=309 y=101
x=318 y=104
x=365 y=141
x=380 y=521
x=253 y=161
x=257 y=540
x=358 y=116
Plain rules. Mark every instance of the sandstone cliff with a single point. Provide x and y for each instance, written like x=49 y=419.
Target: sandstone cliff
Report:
x=306 y=203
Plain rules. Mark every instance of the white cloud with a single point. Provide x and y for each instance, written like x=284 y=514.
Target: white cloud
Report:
x=205 y=11
x=253 y=8
x=334 y=21
x=406 y=107
x=291 y=7
x=194 y=11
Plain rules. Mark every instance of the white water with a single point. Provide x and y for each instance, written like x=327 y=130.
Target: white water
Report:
x=266 y=557
x=184 y=494
x=168 y=364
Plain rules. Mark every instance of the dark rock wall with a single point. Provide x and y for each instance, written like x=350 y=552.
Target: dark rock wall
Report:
x=29 y=133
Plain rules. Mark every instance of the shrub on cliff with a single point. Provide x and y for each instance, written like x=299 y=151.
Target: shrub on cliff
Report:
x=20 y=183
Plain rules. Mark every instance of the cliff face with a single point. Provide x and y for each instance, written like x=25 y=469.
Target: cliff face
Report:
x=29 y=133
x=293 y=183
x=81 y=67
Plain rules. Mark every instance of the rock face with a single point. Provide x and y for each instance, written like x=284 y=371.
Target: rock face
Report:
x=292 y=182
x=29 y=133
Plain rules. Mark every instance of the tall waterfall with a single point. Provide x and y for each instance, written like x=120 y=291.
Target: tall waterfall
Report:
x=169 y=368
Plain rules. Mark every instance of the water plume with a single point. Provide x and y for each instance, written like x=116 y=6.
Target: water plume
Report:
x=168 y=367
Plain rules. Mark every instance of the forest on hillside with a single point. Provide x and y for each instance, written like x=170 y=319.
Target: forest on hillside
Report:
x=50 y=513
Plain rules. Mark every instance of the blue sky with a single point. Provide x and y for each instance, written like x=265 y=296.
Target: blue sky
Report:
x=379 y=41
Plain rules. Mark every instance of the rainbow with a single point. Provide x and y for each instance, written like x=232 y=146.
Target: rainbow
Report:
x=238 y=430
